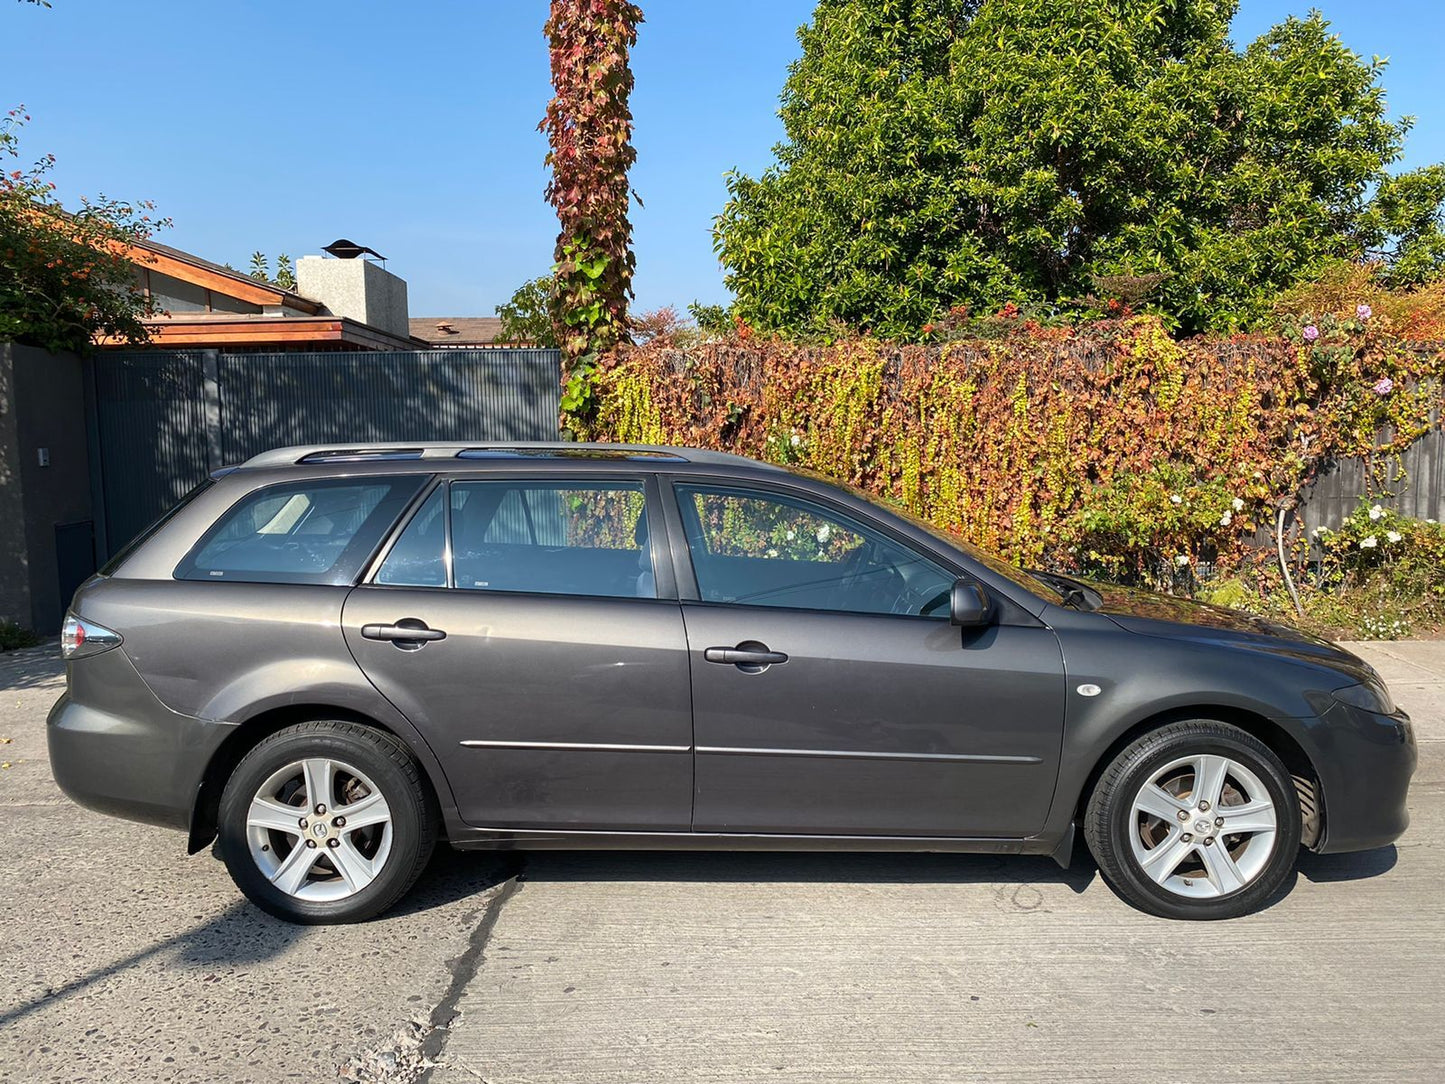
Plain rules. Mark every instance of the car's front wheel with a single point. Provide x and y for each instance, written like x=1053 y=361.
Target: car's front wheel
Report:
x=326 y=822
x=1195 y=820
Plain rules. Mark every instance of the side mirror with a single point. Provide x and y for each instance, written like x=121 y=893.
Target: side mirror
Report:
x=969 y=605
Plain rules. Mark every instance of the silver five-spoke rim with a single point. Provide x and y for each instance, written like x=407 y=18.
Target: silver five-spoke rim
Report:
x=319 y=830
x=1203 y=826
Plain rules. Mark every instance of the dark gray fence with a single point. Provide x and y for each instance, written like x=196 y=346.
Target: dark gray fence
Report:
x=1413 y=486
x=162 y=420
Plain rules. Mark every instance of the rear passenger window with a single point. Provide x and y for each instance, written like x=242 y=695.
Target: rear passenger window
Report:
x=419 y=557
x=318 y=531
x=567 y=538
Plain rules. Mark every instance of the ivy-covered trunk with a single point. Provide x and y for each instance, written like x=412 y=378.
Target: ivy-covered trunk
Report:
x=589 y=126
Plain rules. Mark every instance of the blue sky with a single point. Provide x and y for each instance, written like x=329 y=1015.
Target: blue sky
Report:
x=411 y=127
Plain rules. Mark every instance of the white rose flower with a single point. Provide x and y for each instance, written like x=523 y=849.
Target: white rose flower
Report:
x=792 y=535
x=824 y=533
x=1182 y=560
x=1369 y=543
x=1226 y=519
x=1175 y=498
x=1376 y=512
x=795 y=440
x=1237 y=504
x=1394 y=536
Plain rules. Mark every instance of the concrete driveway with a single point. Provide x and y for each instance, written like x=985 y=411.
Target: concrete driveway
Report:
x=121 y=959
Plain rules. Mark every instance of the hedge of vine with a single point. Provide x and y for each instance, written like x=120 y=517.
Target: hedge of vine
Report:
x=1110 y=448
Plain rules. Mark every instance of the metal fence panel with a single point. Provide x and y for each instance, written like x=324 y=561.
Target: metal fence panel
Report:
x=150 y=422
x=1414 y=487
x=271 y=400
x=165 y=419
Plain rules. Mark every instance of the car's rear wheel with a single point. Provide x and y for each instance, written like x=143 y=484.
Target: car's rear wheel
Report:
x=326 y=822
x=1195 y=820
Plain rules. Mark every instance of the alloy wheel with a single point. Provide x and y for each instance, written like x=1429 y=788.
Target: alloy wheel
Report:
x=319 y=829
x=1203 y=826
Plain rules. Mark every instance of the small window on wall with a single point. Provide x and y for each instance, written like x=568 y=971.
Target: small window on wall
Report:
x=562 y=538
x=317 y=532
x=760 y=549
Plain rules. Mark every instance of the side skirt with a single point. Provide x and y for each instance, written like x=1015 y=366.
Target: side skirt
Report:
x=524 y=839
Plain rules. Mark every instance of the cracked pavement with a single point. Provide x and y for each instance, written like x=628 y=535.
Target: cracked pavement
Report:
x=122 y=959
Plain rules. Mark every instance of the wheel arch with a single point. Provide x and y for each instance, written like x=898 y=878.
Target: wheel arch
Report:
x=1276 y=737
x=256 y=729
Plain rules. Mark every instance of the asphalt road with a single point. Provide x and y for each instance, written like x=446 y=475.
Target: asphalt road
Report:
x=121 y=959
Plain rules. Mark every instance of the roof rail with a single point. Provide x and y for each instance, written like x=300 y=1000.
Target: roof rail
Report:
x=357 y=455
x=383 y=451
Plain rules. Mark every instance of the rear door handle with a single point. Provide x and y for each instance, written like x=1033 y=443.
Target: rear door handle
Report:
x=408 y=631
x=743 y=655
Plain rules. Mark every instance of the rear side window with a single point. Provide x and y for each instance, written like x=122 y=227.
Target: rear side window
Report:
x=419 y=558
x=319 y=531
x=566 y=538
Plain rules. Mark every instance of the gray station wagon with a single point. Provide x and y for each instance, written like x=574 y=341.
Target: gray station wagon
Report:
x=331 y=657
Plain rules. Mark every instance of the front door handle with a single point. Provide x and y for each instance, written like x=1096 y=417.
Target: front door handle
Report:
x=407 y=632
x=749 y=656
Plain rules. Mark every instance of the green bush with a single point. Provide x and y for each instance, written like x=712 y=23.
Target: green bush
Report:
x=13 y=637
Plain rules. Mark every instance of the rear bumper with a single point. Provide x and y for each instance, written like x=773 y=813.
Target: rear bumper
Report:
x=137 y=759
x=1365 y=763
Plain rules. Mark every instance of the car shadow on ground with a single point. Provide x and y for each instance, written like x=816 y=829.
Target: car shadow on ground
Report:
x=455 y=875
x=238 y=935
x=804 y=867
x=1358 y=866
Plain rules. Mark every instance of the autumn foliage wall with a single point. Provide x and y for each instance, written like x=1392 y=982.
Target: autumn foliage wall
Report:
x=1113 y=449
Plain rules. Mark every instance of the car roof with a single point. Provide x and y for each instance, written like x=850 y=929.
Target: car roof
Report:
x=474 y=451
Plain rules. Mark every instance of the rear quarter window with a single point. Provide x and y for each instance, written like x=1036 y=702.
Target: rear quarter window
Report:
x=319 y=531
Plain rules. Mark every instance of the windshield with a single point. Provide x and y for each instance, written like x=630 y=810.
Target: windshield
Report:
x=992 y=562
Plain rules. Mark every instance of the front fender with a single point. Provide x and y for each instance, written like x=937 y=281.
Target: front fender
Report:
x=1171 y=677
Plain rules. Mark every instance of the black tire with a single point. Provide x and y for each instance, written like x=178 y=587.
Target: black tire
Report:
x=1110 y=819
x=386 y=763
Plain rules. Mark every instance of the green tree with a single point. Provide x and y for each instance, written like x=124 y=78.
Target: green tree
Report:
x=66 y=277
x=945 y=152
x=285 y=277
x=527 y=317
x=285 y=272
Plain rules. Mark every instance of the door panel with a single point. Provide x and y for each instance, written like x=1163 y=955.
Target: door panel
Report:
x=874 y=726
x=580 y=706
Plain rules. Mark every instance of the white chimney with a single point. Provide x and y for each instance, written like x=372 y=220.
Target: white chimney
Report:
x=356 y=289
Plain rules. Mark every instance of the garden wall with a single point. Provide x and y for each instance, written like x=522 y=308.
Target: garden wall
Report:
x=1115 y=449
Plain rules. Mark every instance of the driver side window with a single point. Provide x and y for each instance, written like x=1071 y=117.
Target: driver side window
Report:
x=762 y=549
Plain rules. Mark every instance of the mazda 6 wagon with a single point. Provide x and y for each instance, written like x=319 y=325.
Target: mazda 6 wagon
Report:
x=329 y=658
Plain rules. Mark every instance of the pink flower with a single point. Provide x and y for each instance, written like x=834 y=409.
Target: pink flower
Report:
x=1311 y=333
x=1364 y=312
x=1385 y=386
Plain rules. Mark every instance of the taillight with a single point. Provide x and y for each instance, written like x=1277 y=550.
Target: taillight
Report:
x=81 y=638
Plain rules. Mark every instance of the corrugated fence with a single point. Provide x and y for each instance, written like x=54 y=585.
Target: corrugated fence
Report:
x=1415 y=486
x=162 y=420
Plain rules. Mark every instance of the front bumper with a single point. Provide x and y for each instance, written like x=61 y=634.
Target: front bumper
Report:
x=1365 y=762
x=134 y=757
